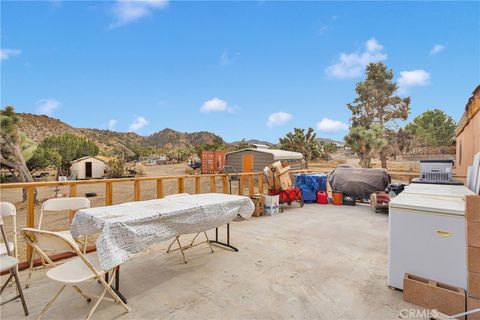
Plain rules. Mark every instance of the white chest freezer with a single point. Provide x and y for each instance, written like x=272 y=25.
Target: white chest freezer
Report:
x=427 y=235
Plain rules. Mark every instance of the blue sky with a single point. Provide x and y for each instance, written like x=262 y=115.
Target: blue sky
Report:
x=240 y=69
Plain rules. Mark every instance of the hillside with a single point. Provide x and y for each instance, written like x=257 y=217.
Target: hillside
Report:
x=38 y=127
x=173 y=139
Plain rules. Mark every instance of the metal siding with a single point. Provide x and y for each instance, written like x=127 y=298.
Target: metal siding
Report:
x=260 y=160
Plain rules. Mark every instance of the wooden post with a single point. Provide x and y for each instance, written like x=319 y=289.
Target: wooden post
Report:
x=213 y=184
x=108 y=194
x=260 y=183
x=136 y=190
x=160 y=188
x=181 y=185
x=73 y=190
x=225 y=184
x=30 y=216
x=251 y=186
x=240 y=186
x=73 y=193
x=198 y=186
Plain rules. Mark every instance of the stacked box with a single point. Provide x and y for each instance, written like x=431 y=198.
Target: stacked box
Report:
x=279 y=179
x=472 y=221
x=259 y=202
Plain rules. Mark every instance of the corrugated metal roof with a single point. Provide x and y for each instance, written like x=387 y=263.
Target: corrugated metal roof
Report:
x=277 y=154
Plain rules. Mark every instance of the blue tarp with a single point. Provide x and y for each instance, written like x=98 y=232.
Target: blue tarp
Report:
x=310 y=184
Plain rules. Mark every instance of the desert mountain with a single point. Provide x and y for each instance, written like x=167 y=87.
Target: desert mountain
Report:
x=38 y=127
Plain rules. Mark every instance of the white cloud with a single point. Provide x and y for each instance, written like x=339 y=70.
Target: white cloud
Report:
x=278 y=118
x=413 y=78
x=6 y=54
x=352 y=65
x=226 y=58
x=47 y=106
x=127 y=11
x=112 y=123
x=214 y=105
x=437 y=48
x=137 y=124
x=331 y=126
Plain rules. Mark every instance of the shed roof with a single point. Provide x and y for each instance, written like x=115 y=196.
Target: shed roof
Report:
x=84 y=158
x=277 y=154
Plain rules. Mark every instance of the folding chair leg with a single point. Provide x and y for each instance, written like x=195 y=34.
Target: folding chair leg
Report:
x=6 y=283
x=112 y=293
x=30 y=269
x=80 y=292
x=49 y=304
x=208 y=241
x=20 y=291
x=96 y=304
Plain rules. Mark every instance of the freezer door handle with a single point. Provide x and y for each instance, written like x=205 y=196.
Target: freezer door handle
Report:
x=443 y=233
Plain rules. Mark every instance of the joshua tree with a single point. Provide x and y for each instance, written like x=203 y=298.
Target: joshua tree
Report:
x=12 y=142
x=376 y=102
x=302 y=142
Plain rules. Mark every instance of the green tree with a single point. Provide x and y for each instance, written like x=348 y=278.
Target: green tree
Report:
x=43 y=158
x=366 y=142
x=302 y=142
x=13 y=145
x=70 y=147
x=432 y=128
x=399 y=141
x=329 y=147
x=376 y=103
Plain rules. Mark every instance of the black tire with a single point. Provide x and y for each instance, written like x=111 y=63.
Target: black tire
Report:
x=302 y=203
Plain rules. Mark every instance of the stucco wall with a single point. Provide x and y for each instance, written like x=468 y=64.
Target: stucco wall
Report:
x=468 y=145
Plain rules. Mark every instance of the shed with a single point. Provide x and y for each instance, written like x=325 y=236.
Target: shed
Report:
x=468 y=134
x=254 y=160
x=88 y=168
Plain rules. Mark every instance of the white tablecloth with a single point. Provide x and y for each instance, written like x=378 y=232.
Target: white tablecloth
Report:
x=129 y=228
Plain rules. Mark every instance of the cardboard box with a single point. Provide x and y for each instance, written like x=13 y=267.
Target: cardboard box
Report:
x=259 y=203
x=285 y=181
x=473 y=233
x=474 y=284
x=472 y=208
x=472 y=304
x=433 y=295
x=473 y=257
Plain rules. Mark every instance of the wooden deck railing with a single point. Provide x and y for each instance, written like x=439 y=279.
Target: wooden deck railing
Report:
x=246 y=180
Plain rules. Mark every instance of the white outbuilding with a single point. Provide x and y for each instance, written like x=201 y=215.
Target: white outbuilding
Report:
x=88 y=168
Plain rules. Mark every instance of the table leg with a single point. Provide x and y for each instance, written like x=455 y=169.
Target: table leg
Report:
x=116 y=288
x=223 y=244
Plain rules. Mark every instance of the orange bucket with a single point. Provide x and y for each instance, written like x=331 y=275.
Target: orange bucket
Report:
x=337 y=198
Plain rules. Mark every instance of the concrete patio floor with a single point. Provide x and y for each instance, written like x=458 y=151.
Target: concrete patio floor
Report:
x=319 y=262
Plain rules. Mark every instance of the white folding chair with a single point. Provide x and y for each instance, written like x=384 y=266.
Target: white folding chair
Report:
x=80 y=269
x=10 y=263
x=57 y=205
x=8 y=210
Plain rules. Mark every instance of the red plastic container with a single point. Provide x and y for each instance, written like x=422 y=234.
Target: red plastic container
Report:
x=337 y=198
x=322 y=197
